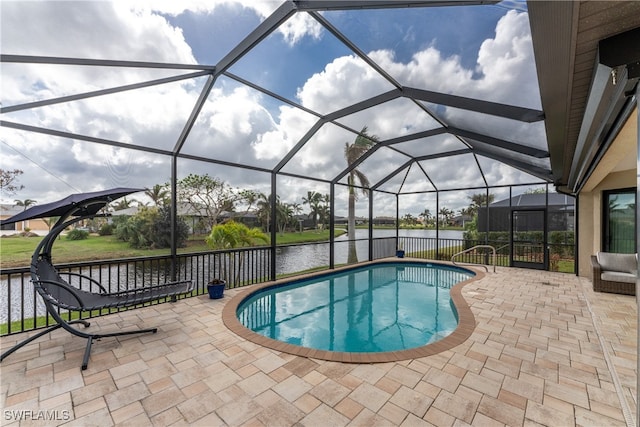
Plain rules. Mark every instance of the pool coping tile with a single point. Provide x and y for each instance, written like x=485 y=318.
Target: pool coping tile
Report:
x=466 y=321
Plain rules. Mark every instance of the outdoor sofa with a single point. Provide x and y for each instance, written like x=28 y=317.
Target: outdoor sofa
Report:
x=615 y=273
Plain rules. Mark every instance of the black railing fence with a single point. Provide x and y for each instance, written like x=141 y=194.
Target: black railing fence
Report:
x=23 y=310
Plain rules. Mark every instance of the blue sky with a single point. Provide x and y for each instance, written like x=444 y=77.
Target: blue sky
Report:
x=482 y=52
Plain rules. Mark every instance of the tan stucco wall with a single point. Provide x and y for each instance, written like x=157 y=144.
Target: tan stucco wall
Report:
x=617 y=170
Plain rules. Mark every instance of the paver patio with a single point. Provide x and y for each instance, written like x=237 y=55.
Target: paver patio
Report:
x=546 y=350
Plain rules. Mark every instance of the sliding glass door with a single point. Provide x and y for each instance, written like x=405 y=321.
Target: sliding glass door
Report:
x=620 y=227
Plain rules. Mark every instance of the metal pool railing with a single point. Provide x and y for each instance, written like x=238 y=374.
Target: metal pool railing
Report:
x=474 y=248
x=21 y=309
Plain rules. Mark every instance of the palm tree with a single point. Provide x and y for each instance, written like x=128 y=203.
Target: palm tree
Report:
x=446 y=215
x=479 y=200
x=263 y=207
x=232 y=235
x=352 y=152
x=159 y=194
x=51 y=221
x=284 y=214
x=313 y=199
x=425 y=215
x=123 y=203
x=25 y=204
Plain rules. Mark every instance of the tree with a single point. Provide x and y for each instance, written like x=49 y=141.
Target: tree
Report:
x=150 y=228
x=479 y=200
x=161 y=230
x=353 y=152
x=264 y=210
x=159 y=194
x=8 y=181
x=446 y=215
x=284 y=215
x=313 y=199
x=324 y=210
x=426 y=216
x=123 y=203
x=206 y=196
x=51 y=221
x=231 y=235
x=25 y=203
x=408 y=219
x=536 y=190
x=250 y=198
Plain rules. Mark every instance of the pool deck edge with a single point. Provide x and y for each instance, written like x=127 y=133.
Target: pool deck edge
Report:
x=466 y=322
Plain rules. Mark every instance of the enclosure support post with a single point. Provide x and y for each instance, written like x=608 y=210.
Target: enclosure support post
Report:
x=397 y=222
x=486 y=235
x=437 y=225
x=272 y=224
x=370 y=224
x=547 y=247
x=638 y=248
x=511 y=248
x=174 y=217
x=332 y=225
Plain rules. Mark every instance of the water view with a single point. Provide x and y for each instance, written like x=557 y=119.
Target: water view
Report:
x=289 y=259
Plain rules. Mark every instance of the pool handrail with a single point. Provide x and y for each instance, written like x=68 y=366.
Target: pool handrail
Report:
x=474 y=248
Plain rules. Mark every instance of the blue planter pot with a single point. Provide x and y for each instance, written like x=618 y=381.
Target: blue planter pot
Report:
x=216 y=290
x=400 y=253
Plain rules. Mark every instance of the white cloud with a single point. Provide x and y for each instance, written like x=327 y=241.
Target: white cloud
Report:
x=343 y=81
x=235 y=123
x=293 y=30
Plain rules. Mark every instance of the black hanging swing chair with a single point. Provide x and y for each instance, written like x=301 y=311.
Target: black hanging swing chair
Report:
x=59 y=293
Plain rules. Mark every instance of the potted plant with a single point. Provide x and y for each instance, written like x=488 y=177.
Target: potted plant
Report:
x=216 y=288
x=400 y=250
x=226 y=236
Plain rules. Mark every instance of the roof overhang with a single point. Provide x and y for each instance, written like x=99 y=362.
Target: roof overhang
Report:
x=588 y=63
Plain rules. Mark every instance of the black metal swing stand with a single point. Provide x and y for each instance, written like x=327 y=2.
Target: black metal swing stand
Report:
x=59 y=294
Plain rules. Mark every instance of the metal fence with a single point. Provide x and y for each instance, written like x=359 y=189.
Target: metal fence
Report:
x=22 y=309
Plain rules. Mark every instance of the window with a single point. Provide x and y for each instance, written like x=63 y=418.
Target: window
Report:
x=8 y=227
x=619 y=231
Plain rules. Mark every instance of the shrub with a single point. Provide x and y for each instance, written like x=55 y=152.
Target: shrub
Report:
x=106 y=229
x=161 y=230
x=77 y=234
x=151 y=227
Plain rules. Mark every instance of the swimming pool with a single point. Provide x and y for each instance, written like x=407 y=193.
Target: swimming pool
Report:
x=393 y=309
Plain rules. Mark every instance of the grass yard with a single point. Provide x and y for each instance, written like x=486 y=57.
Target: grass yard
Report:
x=16 y=251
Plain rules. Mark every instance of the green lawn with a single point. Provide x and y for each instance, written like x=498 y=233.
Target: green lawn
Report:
x=17 y=251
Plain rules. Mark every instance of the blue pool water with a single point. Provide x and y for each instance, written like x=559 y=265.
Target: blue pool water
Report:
x=378 y=308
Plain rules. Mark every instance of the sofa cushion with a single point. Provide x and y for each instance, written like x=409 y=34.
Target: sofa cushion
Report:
x=613 y=276
x=623 y=263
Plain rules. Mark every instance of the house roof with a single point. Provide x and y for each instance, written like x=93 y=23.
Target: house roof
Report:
x=536 y=199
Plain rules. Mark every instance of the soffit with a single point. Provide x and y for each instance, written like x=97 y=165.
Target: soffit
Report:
x=565 y=38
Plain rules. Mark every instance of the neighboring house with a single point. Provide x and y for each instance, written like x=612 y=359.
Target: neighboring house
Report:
x=249 y=219
x=343 y=220
x=37 y=226
x=461 y=220
x=384 y=220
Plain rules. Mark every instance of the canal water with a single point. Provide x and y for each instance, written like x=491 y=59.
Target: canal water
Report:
x=289 y=259
x=292 y=259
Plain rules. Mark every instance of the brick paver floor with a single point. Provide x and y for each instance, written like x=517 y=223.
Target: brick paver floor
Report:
x=546 y=350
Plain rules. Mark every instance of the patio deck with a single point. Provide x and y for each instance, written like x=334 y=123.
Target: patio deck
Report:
x=547 y=350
